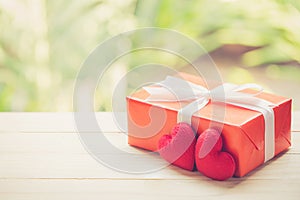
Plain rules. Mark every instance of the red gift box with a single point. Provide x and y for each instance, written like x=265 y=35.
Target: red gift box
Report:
x=243 y=130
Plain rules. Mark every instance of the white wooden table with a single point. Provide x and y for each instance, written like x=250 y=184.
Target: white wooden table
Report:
x=41 y=157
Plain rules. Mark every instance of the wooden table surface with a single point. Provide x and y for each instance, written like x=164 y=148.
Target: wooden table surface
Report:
x=41 y=157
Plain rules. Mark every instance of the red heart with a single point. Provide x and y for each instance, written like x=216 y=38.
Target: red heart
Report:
x=178 y=147
x=210 y=159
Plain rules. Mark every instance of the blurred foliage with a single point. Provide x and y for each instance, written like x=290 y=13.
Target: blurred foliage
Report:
x=272 y=25
x=43 y=42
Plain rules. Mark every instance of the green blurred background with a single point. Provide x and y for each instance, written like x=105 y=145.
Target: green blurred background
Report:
x=43 y=43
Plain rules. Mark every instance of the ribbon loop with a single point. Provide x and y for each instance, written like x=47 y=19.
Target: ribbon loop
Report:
x=174 y=89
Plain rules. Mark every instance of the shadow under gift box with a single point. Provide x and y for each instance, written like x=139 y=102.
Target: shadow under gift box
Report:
x=242 y=129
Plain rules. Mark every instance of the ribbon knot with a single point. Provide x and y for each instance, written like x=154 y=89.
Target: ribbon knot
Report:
x=174 y=89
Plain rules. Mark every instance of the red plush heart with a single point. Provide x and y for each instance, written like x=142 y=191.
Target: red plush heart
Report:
x=178 y=147
x=210 y=159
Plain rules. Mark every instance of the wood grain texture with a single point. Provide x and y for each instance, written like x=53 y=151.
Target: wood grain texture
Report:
x=42 y=157
x=149 y=189
x=54 y=122
x=65 y=122
x=46 y=155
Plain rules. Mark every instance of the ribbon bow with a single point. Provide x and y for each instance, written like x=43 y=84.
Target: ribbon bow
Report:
x=174 y=89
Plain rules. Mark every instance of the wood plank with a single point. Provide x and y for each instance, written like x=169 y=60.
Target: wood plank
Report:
x=47 y=155
x=52 y=122
x=70 y=142
x=64 y=122
x=149 y=189
x=55 y=143
x=14 y=143
x=83 y=166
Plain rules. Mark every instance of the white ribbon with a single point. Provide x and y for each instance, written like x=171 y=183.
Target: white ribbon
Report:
x=174 y=89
